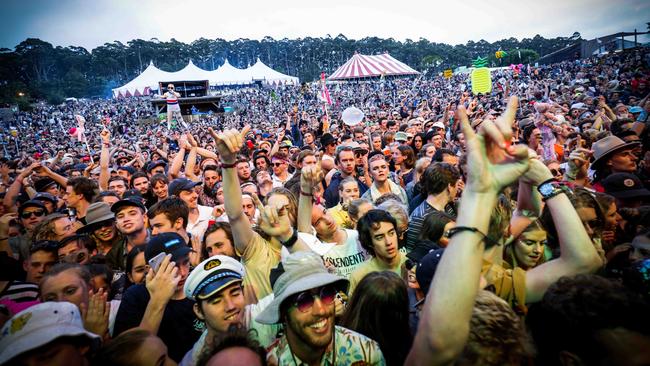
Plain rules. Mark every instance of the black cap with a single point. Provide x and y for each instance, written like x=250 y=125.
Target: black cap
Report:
x=31 y=203
x=624 y=186
x=181 y=184
x=169 y=243
x=427 y=269
x=125 y=202
x=44 y=196
x=43 y=184
x=156 y=163
x=127 y=168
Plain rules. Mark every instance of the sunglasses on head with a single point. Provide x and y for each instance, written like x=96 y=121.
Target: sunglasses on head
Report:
x=305 y=300
x=37 y=213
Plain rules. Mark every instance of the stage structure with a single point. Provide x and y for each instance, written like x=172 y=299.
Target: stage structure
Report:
x=194 y=99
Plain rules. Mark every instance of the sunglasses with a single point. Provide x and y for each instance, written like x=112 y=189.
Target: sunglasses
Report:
x=37 y=213
x=557 y=172
x=305 y=300
x=277 y=164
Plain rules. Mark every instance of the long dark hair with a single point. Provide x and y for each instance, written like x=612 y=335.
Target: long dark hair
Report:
x=379 y=309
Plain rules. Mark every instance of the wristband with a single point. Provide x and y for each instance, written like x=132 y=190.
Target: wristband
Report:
x=455 y=230
x=292 y=240
x=303 y=193
x=228 y=166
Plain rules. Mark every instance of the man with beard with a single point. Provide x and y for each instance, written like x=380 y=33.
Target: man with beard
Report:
x=208 y=194
x=199 y=216
x=140 y=182
x=161 y=306
x=243 y=170
x=131 y=221
x=304 y=302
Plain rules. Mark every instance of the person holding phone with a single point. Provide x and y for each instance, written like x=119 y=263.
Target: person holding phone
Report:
x=160 y=305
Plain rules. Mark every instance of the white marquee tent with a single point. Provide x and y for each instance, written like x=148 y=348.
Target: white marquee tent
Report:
x=226 y=74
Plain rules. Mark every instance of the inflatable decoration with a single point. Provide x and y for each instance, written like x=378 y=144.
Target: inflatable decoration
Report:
x=352 y=116
x=481 y=78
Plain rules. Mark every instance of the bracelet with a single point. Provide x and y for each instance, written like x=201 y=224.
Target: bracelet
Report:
x=455 y=230
x=303 y=193
x=1 y=239
x=228 y=166
x=292 y=240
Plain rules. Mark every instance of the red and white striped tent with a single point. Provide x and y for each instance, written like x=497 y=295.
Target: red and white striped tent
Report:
x=364 y=66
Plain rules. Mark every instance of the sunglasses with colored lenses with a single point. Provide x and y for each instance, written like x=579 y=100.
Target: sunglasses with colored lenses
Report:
x=37 y=213
x=305 y=300
x=278 y=164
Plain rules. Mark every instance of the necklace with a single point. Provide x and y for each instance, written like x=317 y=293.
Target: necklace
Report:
x=333 y=350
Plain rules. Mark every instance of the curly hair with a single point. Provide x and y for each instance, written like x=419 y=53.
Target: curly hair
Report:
x=85 y=187
x=496 y=335
x=575 y=310
x=45 y=229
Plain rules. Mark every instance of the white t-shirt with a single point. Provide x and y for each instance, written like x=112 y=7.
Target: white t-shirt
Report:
x=345 y=258
x=198 y=228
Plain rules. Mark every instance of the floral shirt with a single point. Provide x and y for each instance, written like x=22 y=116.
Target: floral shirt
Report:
x=349 y=348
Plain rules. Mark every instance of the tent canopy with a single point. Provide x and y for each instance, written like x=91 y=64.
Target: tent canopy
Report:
x=225 y=74
x=364 y=66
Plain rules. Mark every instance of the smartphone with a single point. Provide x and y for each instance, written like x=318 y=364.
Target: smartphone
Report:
x=156 y=261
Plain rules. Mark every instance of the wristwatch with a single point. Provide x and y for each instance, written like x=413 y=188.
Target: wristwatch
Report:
x=550 y=189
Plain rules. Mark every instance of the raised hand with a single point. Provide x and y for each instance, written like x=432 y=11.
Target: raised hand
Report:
x=95 y=314
x=229 y=143
x=162 y=283
x=275 y=222
x=492 y=162
x=106 y=136
x=310 y=177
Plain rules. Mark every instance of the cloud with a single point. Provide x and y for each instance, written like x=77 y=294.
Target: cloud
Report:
x=92 y=23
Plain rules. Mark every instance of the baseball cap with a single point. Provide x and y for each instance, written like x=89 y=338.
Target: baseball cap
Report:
x=30 y=203
x=427 y=268
x=151 y=166
x=129 y=169
x=38 y=326
x=624 y=185
x=636 y=109
x=44 y=196
x=43 y=184
x=126 y=202
x=401 y=136
x=181 y=184
x=213 y=275
x=438 y=125
x=169 y=243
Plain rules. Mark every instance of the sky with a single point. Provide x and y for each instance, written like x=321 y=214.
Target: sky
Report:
x=90 y=23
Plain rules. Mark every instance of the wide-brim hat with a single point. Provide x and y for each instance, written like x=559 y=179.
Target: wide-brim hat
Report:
x=38 y=326
x=303 y=271
x=603 y=148
x=97 y=214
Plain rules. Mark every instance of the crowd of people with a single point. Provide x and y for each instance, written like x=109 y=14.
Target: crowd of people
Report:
x=445 y=228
